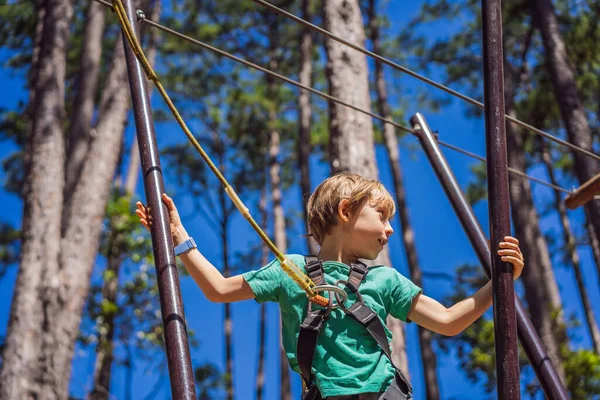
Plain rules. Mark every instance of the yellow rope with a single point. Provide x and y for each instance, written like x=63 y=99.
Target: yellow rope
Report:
x=286 y=264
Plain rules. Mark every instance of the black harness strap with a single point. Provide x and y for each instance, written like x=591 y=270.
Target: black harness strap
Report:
x=314 y=270
x=307 y=341
x=368 y=318
x=312 y=324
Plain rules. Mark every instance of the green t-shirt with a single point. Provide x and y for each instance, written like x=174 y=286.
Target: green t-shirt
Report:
x=347 y=359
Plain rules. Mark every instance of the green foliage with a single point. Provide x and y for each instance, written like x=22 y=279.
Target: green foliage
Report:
x=583 y=373
x=477 y=188
x=209 y=381
x=17 y=27
x=475 y=349
x=10 y=240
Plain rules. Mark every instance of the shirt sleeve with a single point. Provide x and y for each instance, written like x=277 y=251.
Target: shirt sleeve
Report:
x=403 y=291
x=265 y=282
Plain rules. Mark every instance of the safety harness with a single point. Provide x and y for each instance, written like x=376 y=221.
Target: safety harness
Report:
x=359 y=311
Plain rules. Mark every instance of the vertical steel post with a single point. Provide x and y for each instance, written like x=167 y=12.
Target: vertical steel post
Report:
x=531 y=342
x=171 y=305
x=505 y=326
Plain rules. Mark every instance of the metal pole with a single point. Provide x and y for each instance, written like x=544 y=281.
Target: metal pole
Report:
x=505 y=325
x=534 y=349
x=171 y=305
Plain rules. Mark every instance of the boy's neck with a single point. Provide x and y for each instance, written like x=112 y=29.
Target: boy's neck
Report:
x=332 y=249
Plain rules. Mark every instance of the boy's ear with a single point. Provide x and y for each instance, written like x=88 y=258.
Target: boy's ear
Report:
x=344 y=210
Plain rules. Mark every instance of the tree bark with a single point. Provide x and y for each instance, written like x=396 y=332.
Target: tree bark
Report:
x=541 y=290
x=351 y=145
x=280 y=237
x=428 y=357
x=24 y=373
x=305 y=114
x=260 y=375
x=279 y=227
x=106 y=345
x=80 y=135
x=225 y=206
x=571 y=248
x=81 y=238
x=567 y=96
x=594 y=243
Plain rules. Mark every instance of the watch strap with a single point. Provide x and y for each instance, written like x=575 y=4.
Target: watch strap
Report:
x=185 y=246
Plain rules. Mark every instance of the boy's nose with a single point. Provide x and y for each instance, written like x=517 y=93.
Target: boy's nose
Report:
x=388 y=229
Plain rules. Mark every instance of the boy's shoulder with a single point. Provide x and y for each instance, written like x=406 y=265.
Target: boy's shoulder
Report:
x=383 y=272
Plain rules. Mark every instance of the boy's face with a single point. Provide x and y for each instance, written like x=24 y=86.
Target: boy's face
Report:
x=368 y=232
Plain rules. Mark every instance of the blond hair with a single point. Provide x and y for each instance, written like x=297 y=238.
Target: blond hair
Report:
x=322 y=207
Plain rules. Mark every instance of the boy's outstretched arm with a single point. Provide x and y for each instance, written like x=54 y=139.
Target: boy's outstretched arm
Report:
x=213 y=284
x=432 y=315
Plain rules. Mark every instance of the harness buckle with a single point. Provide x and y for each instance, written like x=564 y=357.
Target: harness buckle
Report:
x=338 y=292
x=342 y=299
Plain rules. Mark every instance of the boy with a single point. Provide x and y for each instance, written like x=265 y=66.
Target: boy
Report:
x=349 y=217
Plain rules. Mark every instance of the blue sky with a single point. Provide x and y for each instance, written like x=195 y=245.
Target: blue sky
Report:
x=441 y=244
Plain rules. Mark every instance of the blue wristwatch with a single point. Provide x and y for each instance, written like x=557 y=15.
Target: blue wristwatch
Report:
x=185 y=246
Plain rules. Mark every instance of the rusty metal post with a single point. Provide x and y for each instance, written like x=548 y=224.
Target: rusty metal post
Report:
x=171 y=305
x=531 y=342
x=505 y=325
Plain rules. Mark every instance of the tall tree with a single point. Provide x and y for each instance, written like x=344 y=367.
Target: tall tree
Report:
x=570 y=245
x=79 y=135
x=541 y=289
x=117 y=244
x=568 y=97
x=594 y=243
x=428 y=357
x=260 y=374
x=60 y=287
x=305 y=116
x=24 y=372
x=351 y=145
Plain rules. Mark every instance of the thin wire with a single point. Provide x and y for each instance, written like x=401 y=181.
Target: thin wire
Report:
x=329 y=97
x=275 y=74
x=420 y=77
x=512 y=170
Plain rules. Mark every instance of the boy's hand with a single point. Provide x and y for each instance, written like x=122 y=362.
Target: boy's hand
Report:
x=178 y=232
x=510 y=252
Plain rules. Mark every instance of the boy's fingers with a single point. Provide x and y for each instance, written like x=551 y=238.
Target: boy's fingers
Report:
x=513 y=260
x=510 y=253
x=168 y=201
x=511 y=239
x=513 y=247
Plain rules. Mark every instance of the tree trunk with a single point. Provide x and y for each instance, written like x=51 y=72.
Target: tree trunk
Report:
x=24 y=373
x=594 y=243
x=541 y=290
x=351 y=146
x=280 y=237
x=106 y=331
x=305 y=113
x=571 y=248
x=567 y=96
x=279 y=228
x=32 y=75
x=428 y=357
x=225 y=206
x=79 y=136
x=81 y=238
x=260 y=375
x=105 y=347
